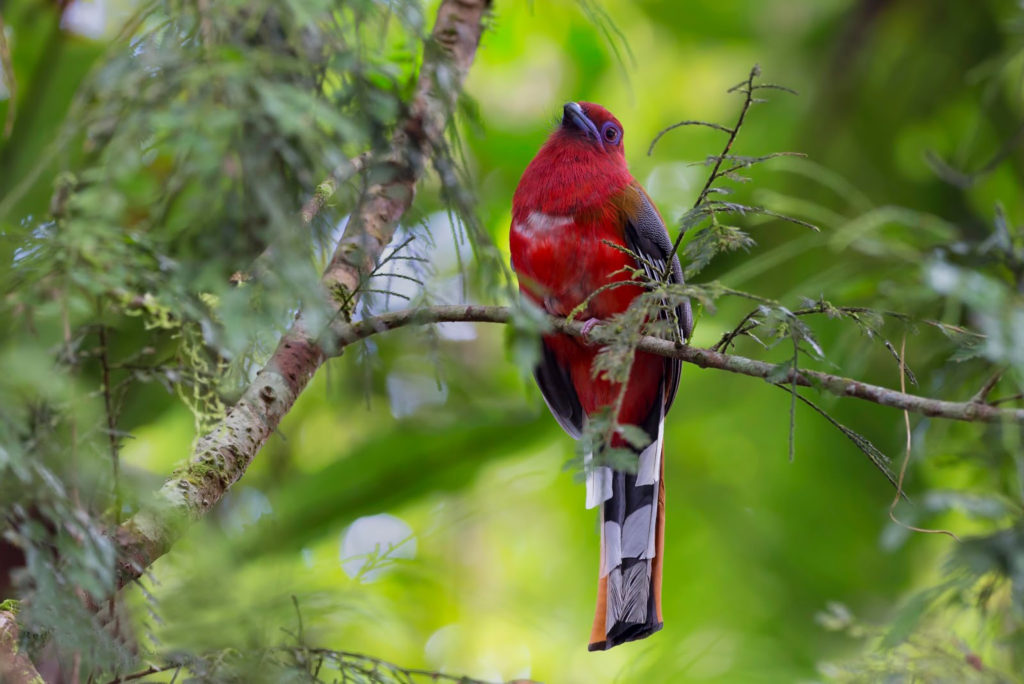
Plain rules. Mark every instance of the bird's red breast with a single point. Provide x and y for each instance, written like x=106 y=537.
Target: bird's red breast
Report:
x=572 y=198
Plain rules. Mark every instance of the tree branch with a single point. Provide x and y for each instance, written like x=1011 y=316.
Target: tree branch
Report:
x=970 y=411
x=15 y=667
x=221 y=457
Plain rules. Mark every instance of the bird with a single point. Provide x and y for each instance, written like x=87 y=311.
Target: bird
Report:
x=578 y=217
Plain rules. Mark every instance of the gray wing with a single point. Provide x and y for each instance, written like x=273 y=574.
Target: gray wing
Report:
x=646 y=235
x=559 y=393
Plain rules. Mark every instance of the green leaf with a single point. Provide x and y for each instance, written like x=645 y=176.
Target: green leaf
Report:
x=634 y=435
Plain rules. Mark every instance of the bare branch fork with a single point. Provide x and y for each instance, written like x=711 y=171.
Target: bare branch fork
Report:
x=221 y=456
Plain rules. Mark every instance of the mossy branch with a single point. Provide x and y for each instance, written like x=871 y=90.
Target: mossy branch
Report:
x=15 y=666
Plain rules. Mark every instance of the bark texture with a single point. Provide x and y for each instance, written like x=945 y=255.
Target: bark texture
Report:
x=15 y=667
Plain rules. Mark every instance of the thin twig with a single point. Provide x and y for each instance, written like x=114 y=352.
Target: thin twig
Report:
x=878 y=459
x=792 y=399
x=717 y=127
x=986 y=389
x=582 y=306
x=747 y=162
x=65 y=319
x=746 y=324
x=733 y=132
x=298 y=614
x=108 y=404
x=741 y=329
x=349 y=658
x=906 y=456
x=152 y=669
x=964 y=179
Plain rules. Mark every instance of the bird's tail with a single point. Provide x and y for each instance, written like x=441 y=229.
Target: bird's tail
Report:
x=632 y=542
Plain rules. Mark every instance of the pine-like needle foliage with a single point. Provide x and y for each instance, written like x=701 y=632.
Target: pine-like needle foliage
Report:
x=170 y=257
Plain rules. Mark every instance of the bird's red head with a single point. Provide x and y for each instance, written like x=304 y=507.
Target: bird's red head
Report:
x=581 y=165
x=592 y=126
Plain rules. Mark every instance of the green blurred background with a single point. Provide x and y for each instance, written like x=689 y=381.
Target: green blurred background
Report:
x=440 y=443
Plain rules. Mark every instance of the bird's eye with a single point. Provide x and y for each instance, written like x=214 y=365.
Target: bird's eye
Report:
x=611 y=132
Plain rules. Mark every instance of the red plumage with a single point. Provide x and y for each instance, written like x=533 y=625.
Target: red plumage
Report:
x=575 y=196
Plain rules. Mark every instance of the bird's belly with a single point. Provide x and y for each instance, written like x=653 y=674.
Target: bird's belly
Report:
x=561 y=265
x=566 y=265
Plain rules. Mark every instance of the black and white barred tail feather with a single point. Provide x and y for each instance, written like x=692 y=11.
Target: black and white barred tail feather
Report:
x=632 y=514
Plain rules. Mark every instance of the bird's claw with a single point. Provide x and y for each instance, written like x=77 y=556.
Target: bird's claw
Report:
x=588 y=325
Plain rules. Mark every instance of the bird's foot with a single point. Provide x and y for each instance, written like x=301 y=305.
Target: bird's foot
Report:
x=588 y=325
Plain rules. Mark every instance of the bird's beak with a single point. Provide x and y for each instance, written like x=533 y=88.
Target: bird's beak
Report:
x=573 y=117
